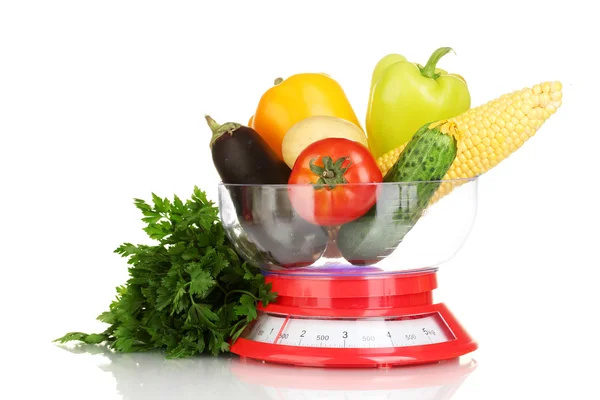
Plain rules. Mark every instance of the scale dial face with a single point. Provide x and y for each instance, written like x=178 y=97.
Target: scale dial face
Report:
x=328 y=332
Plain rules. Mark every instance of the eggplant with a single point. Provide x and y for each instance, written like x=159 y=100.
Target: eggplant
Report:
x=242 y=156
x=267 y=228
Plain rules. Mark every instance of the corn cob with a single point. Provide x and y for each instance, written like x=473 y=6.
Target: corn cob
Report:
x=492 y=132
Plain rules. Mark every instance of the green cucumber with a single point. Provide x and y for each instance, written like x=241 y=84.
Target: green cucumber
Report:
x=426 y=159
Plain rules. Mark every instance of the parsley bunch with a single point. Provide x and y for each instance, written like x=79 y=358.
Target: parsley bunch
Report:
x=188 y=294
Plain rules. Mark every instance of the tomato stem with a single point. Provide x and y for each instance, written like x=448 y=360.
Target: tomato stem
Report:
x=331 y=173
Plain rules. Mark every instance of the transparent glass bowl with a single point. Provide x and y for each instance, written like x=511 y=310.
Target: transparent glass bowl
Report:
x=392 y=228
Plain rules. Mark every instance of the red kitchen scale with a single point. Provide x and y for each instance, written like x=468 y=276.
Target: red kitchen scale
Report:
x=330 y=312
x=355 y=321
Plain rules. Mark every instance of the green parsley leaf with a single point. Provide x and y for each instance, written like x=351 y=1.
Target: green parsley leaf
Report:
x=246 y=307
x=202 y=281
x=187 y=294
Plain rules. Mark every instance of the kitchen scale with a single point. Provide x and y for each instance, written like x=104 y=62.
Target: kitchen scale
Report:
x=331 y=312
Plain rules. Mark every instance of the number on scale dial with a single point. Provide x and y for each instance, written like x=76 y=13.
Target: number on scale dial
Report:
x=347 y=333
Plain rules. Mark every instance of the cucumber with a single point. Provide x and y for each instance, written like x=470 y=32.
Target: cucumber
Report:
x=426 y=158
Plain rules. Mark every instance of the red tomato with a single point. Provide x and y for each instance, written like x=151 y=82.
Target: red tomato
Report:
x=322 y=177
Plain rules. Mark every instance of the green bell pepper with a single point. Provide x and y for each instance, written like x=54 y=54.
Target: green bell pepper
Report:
x=405 y=96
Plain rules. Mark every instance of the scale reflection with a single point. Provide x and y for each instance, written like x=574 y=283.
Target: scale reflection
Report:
x=151 y=376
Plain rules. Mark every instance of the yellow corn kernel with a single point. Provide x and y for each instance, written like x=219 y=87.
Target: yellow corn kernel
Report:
x=544 y=99
x=546 y=87
x=492 y=132
x=386 y=161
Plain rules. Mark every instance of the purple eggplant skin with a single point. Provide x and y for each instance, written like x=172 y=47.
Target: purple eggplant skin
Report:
x=265 y=214
x=242 y=156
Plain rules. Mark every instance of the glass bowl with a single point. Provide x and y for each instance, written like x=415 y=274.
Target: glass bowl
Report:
x=377 y=228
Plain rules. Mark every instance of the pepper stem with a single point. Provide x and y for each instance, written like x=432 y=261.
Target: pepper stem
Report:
x=278 y=81
x=428 y=70
x=220 y=130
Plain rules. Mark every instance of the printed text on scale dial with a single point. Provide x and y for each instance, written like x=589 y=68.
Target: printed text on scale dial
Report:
x=348 y=333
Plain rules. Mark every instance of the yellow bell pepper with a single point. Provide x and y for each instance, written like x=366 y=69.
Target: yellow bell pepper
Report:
x=298 y=97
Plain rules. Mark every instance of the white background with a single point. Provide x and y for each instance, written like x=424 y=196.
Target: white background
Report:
x=101 y=102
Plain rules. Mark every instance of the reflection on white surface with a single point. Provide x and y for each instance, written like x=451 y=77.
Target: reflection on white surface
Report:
x=151 y=376
x=427 y=382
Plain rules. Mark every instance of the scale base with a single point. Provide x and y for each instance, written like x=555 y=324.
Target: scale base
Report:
x=354 y=322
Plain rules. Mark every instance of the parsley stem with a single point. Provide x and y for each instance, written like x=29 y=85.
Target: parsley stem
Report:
x=243 y=292
x=221 y=287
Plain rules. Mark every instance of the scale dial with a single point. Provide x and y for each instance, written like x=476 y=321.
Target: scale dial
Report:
x=414 y=330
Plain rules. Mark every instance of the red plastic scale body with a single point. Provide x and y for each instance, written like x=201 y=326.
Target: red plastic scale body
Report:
x=393 y=297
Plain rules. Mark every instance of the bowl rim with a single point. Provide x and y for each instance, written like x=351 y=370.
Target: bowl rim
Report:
x=379 y=184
